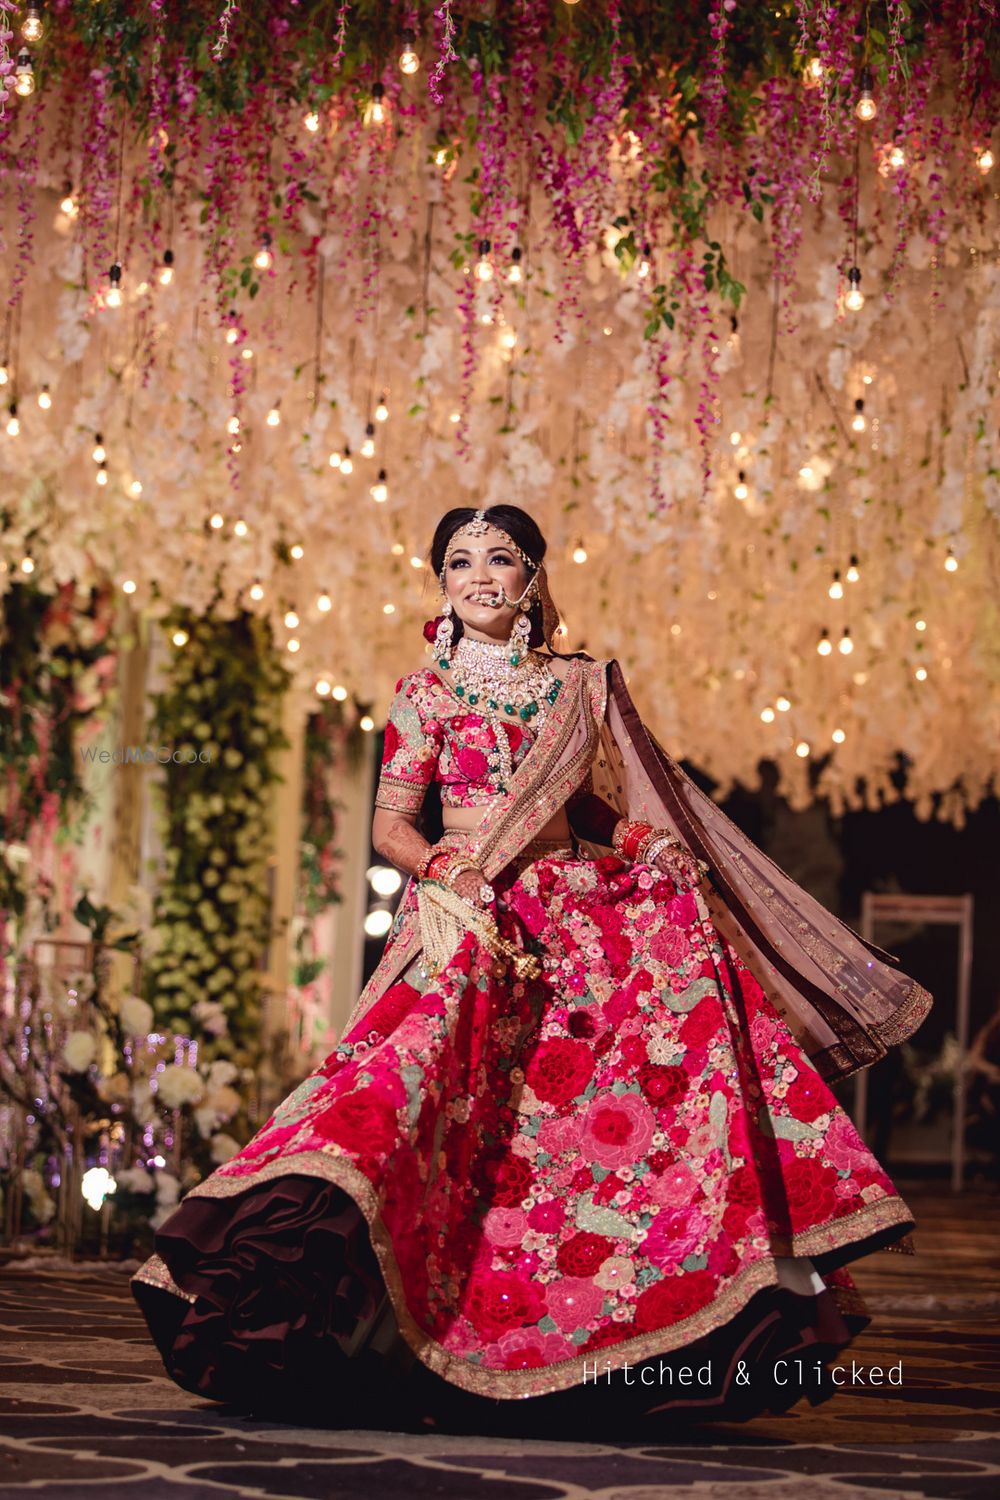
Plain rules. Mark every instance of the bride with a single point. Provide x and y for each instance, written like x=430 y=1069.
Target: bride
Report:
x=580 y=1125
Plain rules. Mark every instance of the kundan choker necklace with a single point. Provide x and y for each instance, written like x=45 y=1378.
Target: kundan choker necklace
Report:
x=492 y=678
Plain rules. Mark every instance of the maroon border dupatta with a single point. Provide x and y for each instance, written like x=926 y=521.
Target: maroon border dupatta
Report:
x=838 y=993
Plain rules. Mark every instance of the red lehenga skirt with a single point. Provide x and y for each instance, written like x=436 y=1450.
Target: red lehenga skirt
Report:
x=592 y=1181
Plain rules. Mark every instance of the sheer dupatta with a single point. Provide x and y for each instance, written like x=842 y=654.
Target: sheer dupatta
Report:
x=837 y=992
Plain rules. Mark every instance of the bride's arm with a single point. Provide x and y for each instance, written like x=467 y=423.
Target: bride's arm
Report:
x=396 y=838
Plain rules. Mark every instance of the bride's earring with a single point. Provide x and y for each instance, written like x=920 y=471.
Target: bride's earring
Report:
x=521 y=632
x=444 y=633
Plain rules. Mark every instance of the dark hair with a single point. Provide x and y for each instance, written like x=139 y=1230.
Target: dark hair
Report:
x=519 y=526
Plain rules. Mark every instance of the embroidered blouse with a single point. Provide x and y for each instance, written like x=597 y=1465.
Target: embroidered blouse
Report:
x=430 y=736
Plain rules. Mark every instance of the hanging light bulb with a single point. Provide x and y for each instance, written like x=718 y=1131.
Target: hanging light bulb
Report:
x=838 y=736
x=24 y=75
x=44 y=399
x=135 y=488
x=13 y=423
x=311 y=122
x=114 y=297
x=128 y=587
x=297 y=552
x=441 y=156
x=274 y=417
x=264 y=260
x=32 y=27
x=27 y=564
x=823 y=645
x=376 y=110
x=367 y=723
x=836 y=589
x=339 y=692
x=897 y=158
x=180 y=637
x=380 y=490
x=921 y=674
x=368 y=446
x=508 y=338
x=852 y=573
x=951 y=561
x=233 y=425
x=217 y=520
x=167 y=269
x=240 y=527
x=812 y=74
x=859 y=421
x=324 y=603
x=409 y=62
x=985 y=160
x=845 y=644
x=69 y=205
x=579 y=553
x=4 y=375
x=515 y=274
x=855 y=299
x=767 y=715
x=644 y=263
x=782 y=704
x=347 y=462
x=381 y=411
x=256 y=591
x=291 y=620
x=335 y=460
x=742 y=489
x=802 y=749
x=102 y=475
x=98 y=454
x=866 y=109
x=484 y=266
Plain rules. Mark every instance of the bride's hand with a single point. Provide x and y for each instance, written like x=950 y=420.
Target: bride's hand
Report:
x=468 y=885
x=683 y=866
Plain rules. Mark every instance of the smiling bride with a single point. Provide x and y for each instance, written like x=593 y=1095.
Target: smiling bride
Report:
x=581 y=1117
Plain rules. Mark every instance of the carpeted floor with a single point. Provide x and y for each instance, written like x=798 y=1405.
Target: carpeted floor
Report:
x=85 y=1408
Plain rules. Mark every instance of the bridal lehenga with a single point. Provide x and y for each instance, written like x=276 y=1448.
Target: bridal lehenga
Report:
x=624 y=1162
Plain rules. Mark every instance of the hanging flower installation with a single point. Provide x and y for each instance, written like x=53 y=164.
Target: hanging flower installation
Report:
x=629 y=264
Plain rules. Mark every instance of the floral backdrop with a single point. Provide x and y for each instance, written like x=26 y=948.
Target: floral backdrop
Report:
x=711 y=289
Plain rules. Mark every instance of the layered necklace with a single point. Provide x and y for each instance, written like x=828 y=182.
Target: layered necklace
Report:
x=494 y=679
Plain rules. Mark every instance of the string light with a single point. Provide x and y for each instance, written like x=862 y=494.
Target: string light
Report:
x=233 y=425
x=921 y=674
x=859 y=421
x=644 y=264
x=240 y=527
x=4 y=375
x=335 y=460
x=135 y=488
x=264 y=260
x=388 y=609
x=951 y=561
x=836 y=589
x=579 y=553
x=339 y=692
x=802 y=749
x=246 y=353
x=297 y=552
x=217 y=520
x=27 y=564
x=323 y=688
x=291 y=620
x=98 y=455
x=812 y=75
x=114 y=297
x=167 y=269
x=368 y=446
x=128 y=587
x=324 y=603
x=855 y=299
x=293 y=645
x=13 y=423
x=24 y=75
x=920 y=624
x=897 y=157
x=232 y=334
x=866 y=109
x=852 y=573
x=32 y=27
x=311 y=122
x=823 y=645
x=377 y=922
x=515 y=274
x=274 y=417
x=44 y=399
x=102 y=475
x=440 y=156
x=416 y=562
x=347 y=462
x=985 y=160
x=484 y=266
x=742 y=489
x=767 y=715
x=69 y=205
x=380 y=490
x=381 y=411
x=256 y=591
x=838 y=736
x=782 y=703
x=180 y=637
x=409 y=62
x=845 y=644
x=508 y=338
x=367 y=723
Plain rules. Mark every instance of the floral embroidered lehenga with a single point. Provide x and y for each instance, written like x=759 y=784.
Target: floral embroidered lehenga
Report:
x=510 y=1187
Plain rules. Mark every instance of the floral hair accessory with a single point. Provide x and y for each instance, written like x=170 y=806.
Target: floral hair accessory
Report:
x=430 y=628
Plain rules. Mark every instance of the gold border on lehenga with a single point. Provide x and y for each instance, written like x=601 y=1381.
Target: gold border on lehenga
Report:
x=512 y=1384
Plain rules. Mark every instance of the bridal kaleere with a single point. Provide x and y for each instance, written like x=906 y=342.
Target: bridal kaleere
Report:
x=581 y=1117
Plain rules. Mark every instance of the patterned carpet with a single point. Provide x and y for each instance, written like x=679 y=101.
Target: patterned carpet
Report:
x=85 y=1409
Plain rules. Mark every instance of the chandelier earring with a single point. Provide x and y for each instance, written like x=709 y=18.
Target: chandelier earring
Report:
x=521 y=631
x=444 y=633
